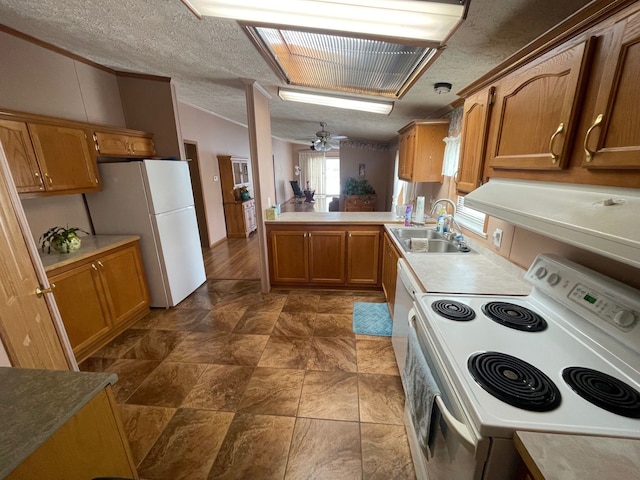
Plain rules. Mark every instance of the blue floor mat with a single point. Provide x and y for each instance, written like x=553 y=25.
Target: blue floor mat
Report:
x=371 y=319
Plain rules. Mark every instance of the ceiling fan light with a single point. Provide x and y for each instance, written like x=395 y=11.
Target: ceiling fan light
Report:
x=371 y=106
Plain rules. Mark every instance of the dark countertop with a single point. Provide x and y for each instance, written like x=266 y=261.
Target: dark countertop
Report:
x=36 y=403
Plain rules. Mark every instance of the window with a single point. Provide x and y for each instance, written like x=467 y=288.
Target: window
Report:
x=470 y=218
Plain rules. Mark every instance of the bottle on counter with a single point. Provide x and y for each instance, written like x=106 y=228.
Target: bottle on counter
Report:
x=407 y=215
x=441 y=222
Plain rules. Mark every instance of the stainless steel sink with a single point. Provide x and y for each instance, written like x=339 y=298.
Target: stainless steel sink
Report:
x=434 y=242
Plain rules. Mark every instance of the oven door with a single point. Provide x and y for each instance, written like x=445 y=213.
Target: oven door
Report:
x=407 y=287
x=457 y=450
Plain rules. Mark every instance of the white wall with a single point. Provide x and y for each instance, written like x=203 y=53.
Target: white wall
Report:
x=36 y=80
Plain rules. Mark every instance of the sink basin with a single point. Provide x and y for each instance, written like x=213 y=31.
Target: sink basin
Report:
x=434 y=242
x=430 y=233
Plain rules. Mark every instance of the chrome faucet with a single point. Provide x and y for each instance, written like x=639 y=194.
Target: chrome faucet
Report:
x=446 y=200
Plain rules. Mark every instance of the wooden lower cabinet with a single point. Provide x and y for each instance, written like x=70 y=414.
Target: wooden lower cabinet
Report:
x=91 y=444
x=240 y=218
x=390 y=256
x=324 y=255
x=98 y=297
x=363 y=252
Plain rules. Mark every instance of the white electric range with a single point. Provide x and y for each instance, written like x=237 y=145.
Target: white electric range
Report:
x=564 y=359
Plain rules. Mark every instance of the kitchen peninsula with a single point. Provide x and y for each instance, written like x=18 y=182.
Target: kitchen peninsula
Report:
x=337 y=249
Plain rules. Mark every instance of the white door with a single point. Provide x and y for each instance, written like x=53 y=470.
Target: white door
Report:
x=179 y=242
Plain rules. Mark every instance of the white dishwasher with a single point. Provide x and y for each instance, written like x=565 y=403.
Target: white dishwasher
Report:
x=407 y=287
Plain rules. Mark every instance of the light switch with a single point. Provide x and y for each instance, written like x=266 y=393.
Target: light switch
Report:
x=497 y=237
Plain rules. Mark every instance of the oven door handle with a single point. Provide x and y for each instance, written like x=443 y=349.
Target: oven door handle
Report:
x=459 y=428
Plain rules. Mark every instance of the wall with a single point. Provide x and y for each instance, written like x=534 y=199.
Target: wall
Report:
x=214 y=136
x=285 y=156
x=149 y=104
x=379 y=164
x=37 y=80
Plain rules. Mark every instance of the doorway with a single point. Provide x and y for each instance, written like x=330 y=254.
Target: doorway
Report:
x=191 y=150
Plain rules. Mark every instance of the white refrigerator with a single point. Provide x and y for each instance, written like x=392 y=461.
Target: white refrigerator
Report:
x=153 y=199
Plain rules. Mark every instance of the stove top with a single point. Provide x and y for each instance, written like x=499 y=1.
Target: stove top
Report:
x=558 y=369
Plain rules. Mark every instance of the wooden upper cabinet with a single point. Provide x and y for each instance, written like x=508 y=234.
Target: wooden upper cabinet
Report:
x=613 y=139
x=421 y=150
x=536 y=110
x=475 y=125
x=22 y=159
x=118 y=144
x=64 y=157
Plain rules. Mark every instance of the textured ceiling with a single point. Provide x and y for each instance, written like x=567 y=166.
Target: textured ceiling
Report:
x=207 y=58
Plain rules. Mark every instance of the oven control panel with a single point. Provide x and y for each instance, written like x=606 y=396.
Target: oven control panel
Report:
x=604 y=307
x=593 y=295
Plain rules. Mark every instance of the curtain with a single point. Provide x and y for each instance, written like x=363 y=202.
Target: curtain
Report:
x=451 y=156
x=312 y=165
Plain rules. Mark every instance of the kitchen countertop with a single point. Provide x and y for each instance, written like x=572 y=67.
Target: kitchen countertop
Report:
x=371 y=218
x=554 y=456
x=91 y=245
x=36 y=403
x=483 y=272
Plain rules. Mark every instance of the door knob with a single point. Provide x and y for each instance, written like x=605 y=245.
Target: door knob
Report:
x=41 y=291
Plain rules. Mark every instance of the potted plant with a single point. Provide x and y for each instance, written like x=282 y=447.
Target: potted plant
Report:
x=62 y=240
x=244 y=192
x=355 y=186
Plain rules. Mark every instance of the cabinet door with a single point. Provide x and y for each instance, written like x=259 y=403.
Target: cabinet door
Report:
x=80 y=299
x=142 y=147
x=112 y=144
x=428 y=151
x=406 y=155
x=289 y=257
x=22 y=159
x=475 y=123
x=389 y=271
x=536 y=109
x=64 y=157
x=363 y=252
x=613 y=141
x=326 y=256
x=124 y=283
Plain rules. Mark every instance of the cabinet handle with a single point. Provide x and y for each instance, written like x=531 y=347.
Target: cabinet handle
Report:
x=48 y=179
x=100 y=263
x=554 y=157
x=349 y=234
x=589 y=153
x=93 y=265
x=37 y=175
x=41 y=291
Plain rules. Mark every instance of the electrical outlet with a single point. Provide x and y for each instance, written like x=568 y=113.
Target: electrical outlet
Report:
x=497 y=237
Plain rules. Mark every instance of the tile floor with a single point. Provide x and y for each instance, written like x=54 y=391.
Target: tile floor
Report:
x=235 y=384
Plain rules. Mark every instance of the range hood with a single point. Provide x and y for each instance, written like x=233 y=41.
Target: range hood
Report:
x=603 y=220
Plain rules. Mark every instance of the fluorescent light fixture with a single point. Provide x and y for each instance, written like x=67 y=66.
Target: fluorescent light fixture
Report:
x=336 y=101
x=427 y=21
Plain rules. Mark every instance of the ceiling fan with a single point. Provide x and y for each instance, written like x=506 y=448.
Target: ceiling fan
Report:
x=324 y=141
